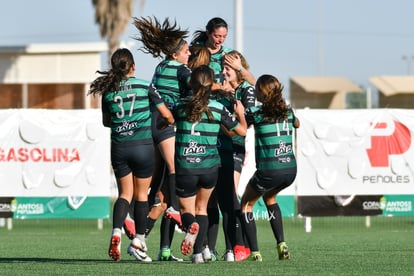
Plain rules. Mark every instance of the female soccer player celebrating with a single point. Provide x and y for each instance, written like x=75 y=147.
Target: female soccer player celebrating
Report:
x=274 y=122
x=126 y=110
x=198 y=121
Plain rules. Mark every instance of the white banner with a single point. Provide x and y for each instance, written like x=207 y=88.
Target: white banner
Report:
x=355 y=152
x=54 y=153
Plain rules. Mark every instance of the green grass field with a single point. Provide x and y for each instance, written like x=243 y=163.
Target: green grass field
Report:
x=336 y=246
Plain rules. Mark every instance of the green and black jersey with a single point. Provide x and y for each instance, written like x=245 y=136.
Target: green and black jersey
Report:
x=216 y=62
x=273 y=142
x=171 y=79
x=245 y=93
x=196 y=143
x=129 y=108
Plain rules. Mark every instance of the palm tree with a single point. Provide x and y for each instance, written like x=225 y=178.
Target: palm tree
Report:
x=112 y=17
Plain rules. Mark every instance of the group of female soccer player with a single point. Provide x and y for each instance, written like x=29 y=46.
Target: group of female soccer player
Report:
x=178 y=147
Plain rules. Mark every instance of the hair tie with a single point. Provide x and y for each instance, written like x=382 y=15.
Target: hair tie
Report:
x=179 y=45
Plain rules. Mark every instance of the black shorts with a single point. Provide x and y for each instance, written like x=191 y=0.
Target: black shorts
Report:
x=262 y=182
x=159 y=135
x=135 y=158
x=188 y=185
x=238 y=159
x=232 y=159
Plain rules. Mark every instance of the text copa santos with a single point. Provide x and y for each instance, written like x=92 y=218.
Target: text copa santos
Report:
x=39 y=155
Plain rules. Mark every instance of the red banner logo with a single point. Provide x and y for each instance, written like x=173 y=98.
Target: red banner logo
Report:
x=383 y=146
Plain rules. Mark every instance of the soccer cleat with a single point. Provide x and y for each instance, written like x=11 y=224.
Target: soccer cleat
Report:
x=139 y=243
x=256 y=256
x=197 y=258
x=178 y=229
x=165 y=255
x=175 y=259
x=206 y=254
x=214 y=255
x=173 y=214
x=240 y=253
x=247 y=250
x=138 y=253
x=115 y=248
x=189 y=239
x=129 y=227
x=228 y=256
x=283 y=251
x=157 y=201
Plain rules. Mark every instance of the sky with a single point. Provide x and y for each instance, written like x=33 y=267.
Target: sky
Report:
x=356 y=39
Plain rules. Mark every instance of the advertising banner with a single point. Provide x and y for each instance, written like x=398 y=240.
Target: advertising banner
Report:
x=355 y=162
x=54 y=163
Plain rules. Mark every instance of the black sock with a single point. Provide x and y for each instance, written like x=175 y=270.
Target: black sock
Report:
x=165 y=232
x=131 y=208
x=213 y=227
x=203 y=224
x=140 y=216
x=172 y=230
x=187 y=219
x=238 y=229
x=227 y=231
x=275 y=219
x=173 y=194
x=150 y=225
x=121 y=208
x=250 y=228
